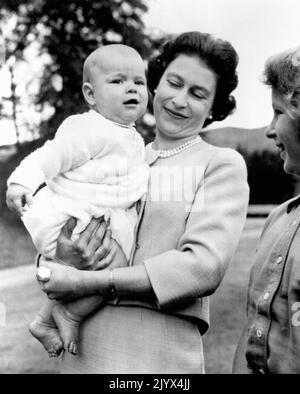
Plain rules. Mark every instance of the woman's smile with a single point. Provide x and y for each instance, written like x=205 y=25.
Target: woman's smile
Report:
x=175 y=114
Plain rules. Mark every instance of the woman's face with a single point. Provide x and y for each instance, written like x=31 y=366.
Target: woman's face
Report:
x=184 y=97
x=285 y=132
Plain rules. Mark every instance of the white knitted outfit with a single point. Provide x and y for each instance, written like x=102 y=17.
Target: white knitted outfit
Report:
x=92 y=167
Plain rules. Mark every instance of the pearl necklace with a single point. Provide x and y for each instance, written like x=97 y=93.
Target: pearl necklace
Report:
x=171 y=152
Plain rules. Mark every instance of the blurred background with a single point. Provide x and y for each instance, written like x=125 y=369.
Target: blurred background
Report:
x=43 y=44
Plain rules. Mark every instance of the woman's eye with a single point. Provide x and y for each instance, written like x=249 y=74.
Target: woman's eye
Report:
x=198 y=95
x=173 y=83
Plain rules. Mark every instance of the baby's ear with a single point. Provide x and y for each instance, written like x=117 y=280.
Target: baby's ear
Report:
x=88 y=93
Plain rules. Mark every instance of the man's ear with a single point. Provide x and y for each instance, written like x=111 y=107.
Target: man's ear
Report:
x=88 y=93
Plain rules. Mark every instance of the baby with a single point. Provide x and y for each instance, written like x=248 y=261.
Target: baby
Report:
x=94 y=166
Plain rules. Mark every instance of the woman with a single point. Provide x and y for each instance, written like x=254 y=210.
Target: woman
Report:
x=188 y=228
x=270 y=342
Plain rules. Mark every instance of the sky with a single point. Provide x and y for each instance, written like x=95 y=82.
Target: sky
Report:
x=256 y=28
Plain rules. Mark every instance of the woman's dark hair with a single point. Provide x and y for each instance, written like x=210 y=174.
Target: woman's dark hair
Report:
x=217 y=54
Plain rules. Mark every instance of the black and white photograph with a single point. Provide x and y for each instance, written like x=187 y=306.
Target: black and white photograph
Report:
x=149 y=189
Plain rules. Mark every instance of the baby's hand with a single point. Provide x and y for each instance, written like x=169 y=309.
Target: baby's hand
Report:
x=17 y=196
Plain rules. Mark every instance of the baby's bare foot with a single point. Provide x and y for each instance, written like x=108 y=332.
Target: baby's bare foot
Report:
x=68 y=326
x=48 y=335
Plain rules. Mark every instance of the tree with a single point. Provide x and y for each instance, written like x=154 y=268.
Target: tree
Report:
x=66 y=32
x=18 y=96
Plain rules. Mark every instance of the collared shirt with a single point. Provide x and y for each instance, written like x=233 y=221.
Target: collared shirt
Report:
x=273 y=308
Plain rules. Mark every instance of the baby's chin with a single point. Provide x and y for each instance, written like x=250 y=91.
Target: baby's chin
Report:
x=126 y=117
x=127 y=120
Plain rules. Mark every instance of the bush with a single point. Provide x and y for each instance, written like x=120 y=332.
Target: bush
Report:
x=268 y=182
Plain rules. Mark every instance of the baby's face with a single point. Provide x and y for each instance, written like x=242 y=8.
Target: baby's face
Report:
x=120 y=89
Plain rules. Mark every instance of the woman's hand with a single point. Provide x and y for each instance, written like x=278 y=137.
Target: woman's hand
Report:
x=65 y=283
x=93 y=250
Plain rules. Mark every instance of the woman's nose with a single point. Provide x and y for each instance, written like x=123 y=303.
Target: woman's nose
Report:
x=180 y=99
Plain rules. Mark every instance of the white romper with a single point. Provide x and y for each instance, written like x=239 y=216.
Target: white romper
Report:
x=92 y=167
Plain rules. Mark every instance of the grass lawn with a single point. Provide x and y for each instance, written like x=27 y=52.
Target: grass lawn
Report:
x=228 y=311
x=16 y=245
x=20 y=353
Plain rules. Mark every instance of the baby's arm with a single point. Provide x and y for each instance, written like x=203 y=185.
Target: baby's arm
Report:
x=17 y=197
x=75 y=143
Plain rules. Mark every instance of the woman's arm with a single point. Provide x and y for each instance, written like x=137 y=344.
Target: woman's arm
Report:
x=67 y=283
x=94 y=249
x=212 y=232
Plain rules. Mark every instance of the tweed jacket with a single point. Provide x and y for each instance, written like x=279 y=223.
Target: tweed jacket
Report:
x=189 y=227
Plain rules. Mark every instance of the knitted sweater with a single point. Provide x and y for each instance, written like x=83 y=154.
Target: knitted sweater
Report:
x=90 y=159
